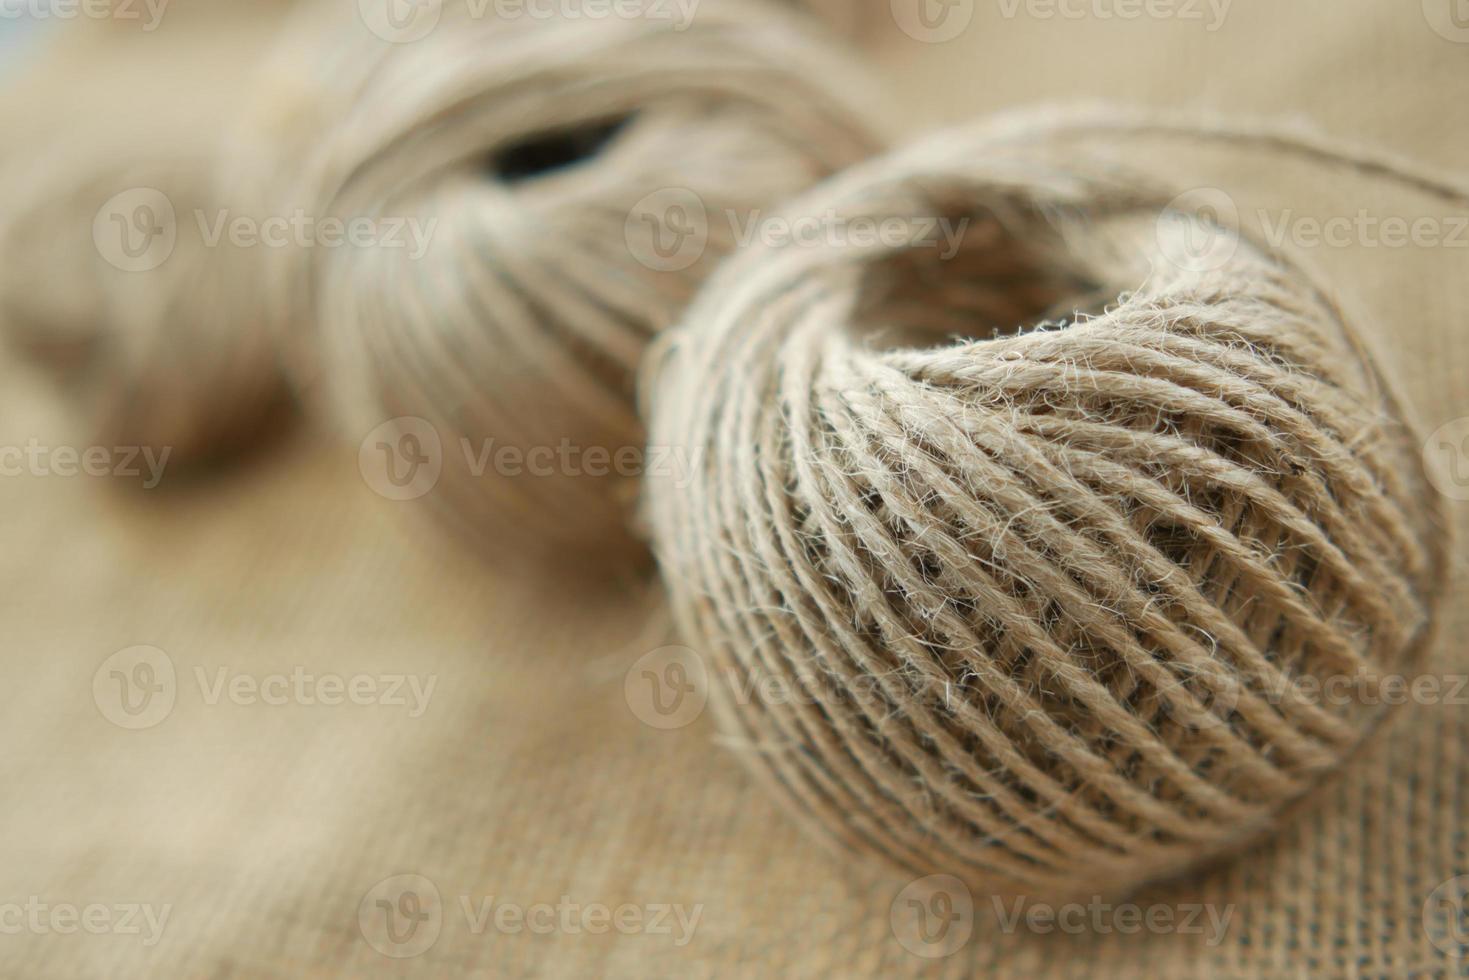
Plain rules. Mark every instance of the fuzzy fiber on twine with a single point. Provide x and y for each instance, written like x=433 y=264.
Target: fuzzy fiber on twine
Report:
x=1058 y=589
x=522 y=149
x=1055 y=598
x=530 y=150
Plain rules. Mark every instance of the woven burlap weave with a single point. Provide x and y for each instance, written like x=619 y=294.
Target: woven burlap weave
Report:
x=528 y=778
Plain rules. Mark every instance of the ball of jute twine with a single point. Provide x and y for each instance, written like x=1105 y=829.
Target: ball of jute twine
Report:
x=1045 y=605
x=118 y=277
x=527 y=152
x=739 y=107
x=115 y=283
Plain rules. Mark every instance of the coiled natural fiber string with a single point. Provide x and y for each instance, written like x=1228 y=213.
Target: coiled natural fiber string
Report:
x=176 y=357
x=742 y=106
x=166 y=346
x=1043 y=606
x=528 y=148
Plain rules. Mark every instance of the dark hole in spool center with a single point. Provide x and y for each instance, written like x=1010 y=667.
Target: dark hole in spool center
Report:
x=545 y=153
x=973 y=277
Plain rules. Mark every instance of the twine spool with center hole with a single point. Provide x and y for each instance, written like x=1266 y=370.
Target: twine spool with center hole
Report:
x=1050 y=605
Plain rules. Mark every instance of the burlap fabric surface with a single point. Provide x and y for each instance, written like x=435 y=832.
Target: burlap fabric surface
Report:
x=265 y=829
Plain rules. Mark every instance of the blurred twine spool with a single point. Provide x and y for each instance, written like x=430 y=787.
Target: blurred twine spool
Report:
x=119 y=274
x=1049 y=605
x=199 y=351
x=118 y=285
x=569 y=182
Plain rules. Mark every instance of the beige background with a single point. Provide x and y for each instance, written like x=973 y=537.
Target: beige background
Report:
x=529 y=778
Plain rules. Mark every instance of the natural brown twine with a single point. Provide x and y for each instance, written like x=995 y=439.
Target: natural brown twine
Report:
x=176 y=357
x=1055 y=591
x=165 y=348
x=526 y=147
x=1049 y=600
x=525 y=323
